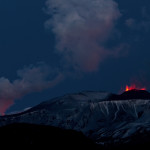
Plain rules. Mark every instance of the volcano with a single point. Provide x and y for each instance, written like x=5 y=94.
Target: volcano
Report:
x=131 y=94
x=107 y=119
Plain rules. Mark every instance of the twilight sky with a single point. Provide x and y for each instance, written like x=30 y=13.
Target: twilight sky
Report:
x=53 y=47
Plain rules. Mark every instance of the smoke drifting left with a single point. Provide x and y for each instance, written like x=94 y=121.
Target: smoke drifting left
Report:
x=81 y=28
x=30 y=79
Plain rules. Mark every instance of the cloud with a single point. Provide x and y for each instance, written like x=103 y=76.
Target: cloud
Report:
x=130 y=22
x=142 y=24
x=30 y=79
x=81 y=28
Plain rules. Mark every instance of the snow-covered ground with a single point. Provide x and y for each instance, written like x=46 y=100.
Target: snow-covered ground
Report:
x=93 y=113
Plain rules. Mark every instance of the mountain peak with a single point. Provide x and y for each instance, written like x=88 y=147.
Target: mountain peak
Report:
x=131 y=94
x=98 y=115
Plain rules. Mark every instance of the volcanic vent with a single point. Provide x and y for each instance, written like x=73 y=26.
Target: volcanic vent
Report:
x=131 y=92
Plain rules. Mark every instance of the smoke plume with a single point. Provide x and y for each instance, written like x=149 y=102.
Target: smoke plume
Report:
x=30 y=79
x=81 y=28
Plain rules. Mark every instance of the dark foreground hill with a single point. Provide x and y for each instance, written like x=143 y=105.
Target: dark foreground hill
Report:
x=20 y=136
x=29 y=136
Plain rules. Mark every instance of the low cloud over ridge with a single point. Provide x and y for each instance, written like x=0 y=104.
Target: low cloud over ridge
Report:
x=30 y=79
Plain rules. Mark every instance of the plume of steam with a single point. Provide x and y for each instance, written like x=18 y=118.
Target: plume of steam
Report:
x=30 y=79
x=81 y=28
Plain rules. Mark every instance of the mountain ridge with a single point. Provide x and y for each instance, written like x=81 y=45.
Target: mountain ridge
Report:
x=97 y=115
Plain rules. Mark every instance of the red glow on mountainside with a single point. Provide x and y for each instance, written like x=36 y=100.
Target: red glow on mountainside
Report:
x=4 y=105
x=133 y=87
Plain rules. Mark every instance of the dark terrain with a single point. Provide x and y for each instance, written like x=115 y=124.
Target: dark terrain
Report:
x=20 y=136
x=46 y=137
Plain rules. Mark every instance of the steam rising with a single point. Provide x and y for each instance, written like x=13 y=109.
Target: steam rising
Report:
x=30 y=79
x=81 y=28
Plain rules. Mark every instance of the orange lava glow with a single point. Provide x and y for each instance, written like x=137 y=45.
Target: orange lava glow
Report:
x=133 y=87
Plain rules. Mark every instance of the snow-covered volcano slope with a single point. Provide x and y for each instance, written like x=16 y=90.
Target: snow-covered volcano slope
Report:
x=99 y=115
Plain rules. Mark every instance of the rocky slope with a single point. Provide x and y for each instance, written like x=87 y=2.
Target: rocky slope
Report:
x=106 y=118
x=27 y=136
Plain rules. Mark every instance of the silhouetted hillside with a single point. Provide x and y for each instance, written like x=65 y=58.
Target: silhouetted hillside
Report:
x=28 y=136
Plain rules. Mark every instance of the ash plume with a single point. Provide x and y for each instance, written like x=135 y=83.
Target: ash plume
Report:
x=81 y=28
x=30 y=79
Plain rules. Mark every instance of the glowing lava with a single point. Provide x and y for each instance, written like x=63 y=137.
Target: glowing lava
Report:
x=133 y=87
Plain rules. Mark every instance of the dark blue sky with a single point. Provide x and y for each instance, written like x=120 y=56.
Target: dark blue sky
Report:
x=25 y=39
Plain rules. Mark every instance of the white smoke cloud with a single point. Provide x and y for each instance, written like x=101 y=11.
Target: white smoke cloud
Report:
x=81 y=28
x=30 y=79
